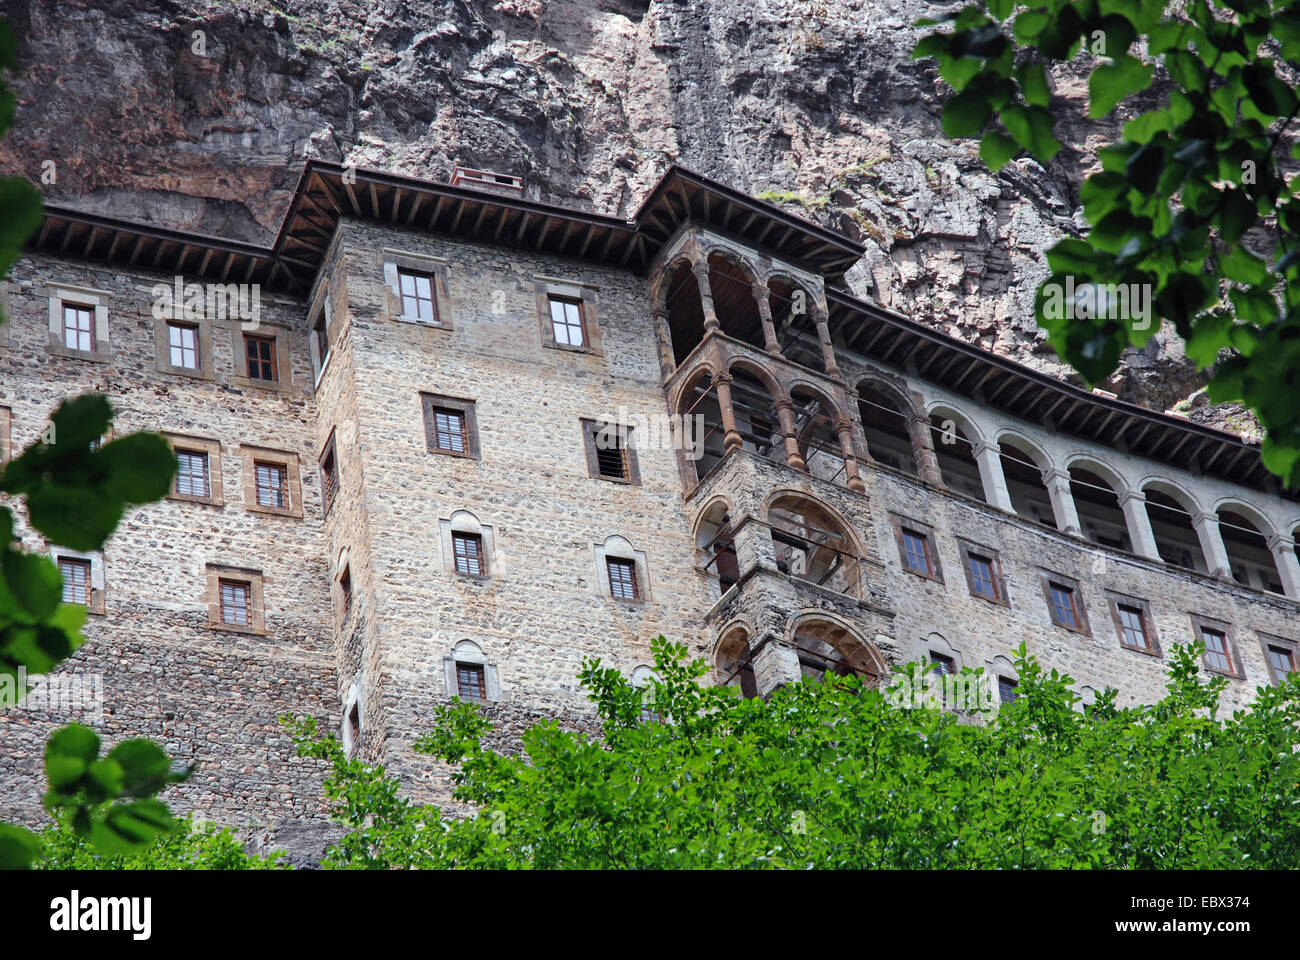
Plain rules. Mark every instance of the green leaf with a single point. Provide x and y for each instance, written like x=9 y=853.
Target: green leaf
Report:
x=997 y=149
x=1033 y=84
x=34 y=583
x=18 y=847
x=145 y=765
x=965 y=114
x=130 y=827
x=81 y=519
x=140 y=468
x=1112 y=82
x=1032 y=129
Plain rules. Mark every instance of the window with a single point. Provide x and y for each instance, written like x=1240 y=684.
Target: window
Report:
x=471 y=684
x=449 y=430
x=1062 y=601
x=183 y=346
x=260 y=354
x=1007 y=689
x=79 y=327
x=354 y=727
x=329 y=475
x=235 y=603
x=622 y=578
x=468 y=551
x=450 y=425
x=916 y=552
x=1217 y=655
x=345 y=591
x=272 y=484
x=76 y=580
x=981 y=572
x=192 y=478
x=611 y=452
x=1281 y=661
x=1132 y=630
x=417 y=296
x=566 y=322
x=943 y=665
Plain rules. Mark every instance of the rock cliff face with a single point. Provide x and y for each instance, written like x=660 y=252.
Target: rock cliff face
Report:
x=198 y=115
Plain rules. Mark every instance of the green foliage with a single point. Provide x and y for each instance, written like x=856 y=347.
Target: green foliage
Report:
x=191 y=846
x=832 y=775
x=1175 y=197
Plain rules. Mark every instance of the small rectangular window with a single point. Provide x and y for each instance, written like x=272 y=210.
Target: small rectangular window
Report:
x=566 y=321
x=1217 y=655
x=942 y=665
x=622 y=578
x=76 y=580
x=272 y=484
x=260 y=354
x=78 y=327
x=611 y=456
x=329 y=476
x=611 y=451
x=1132 y=626
x=470 y=684
x=449 y=431
x=1281 y=662
x=320 y=340
x=1062 y=599
x=468 y=551
x=192 y=477
x=183 y=345
x=417 y=296
x=1007 y=689
x=345 y=591
x=354 y=726
x=983 y=581
x=916 y=552
x=235 y=603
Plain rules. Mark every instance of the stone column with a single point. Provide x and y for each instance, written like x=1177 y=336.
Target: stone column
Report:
x=664 y=334
x=770 y=343
x=785 y=417
x=1288 y=567
x=852 y=478
x=701 y=271
x=989 y=458
x=824 y=335
x=731 y=438
x=927 y=464
x=1134 y=505
x=1058 y=488
x=1216 y=554
x=775 y=664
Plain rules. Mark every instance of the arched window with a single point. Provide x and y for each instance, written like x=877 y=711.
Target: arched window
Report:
x=685 y=310
x=956 y=456
x=735 y=662
x=1170 y=512
x=825 y=647
x=468 y=674
x=716 y=542
x=796 y=334
x=732 y=286
x=885 y=427
x=812 y=544
x=1248 y=553
x=622 y=571
x=756 y=419
x=468 y=547
x=700 y=398
x=1097 y=503
x=1023 y=471
x=814 y=427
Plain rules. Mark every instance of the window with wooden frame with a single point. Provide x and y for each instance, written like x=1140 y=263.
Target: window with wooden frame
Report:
x=319 y=338
x=1064 y=602
x=76 y=580
x=260 y=360
x=1220 y=654
x=329 y=475
x=1133 y=623
x=79 y=327
x=983 y=569
x=567 y=321
x=236 y=603
x=942 y=664
x=916 y=548
x=183 y=346
x=467 y=549
x=198 y=470
x=235 y=599
x=450 y=425
x=345 y=593
x=611 y=452
x=272 y=481
x=417 y=291
x=471 y=682
x=1281 y=657
x=622 y=579
x=1007 y=689
x=192 y=476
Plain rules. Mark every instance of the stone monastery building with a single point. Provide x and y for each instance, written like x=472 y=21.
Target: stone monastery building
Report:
x=466 y=440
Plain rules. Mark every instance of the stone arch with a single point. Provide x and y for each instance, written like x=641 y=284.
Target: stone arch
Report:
x=715 y=540
x=887 y=414
x=813 y=542
x=826 y=643
x=1097 y=489
x=954 y=436
x=1003 y=678
x=816 y=419
x=733 y=657
x=698 y=396
x=684 y=308
x=1247 y=534
x=1024 y=463
x=1172 y=511
x=755 y=394
x=791 y=303
x=1098 y=465
x=732 y=279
